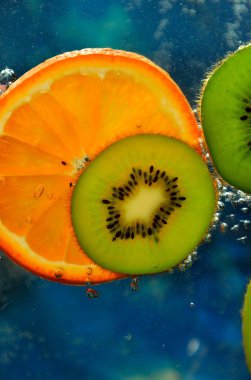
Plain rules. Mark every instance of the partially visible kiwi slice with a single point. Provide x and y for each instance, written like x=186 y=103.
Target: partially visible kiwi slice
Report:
x=226 y=118
x=143 y=204
x=246 y=326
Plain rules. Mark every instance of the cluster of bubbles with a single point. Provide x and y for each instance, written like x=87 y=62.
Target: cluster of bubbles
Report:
x=233 y=28
x=7 y=77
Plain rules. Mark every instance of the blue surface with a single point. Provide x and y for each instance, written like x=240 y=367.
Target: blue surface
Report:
x=183 y=326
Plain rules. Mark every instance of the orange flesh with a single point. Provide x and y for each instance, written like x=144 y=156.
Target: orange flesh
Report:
x=67 y=108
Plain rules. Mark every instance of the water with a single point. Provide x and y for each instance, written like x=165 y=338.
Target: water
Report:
x=184 y=325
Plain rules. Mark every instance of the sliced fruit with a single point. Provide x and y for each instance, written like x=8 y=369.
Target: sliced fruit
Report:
x=143 y=204
x=53 y=119
x=246 y=326
x=226 y=118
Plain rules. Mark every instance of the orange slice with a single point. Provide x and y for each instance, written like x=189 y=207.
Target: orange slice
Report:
x=52 y=119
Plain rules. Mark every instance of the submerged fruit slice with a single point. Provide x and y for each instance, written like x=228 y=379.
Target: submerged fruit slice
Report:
x=226 y=118
x=246 y=326
x=143 y=204
x=55 y=117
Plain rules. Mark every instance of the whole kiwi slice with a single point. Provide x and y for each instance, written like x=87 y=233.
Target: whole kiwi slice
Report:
x=226 y=118
x=143 y=204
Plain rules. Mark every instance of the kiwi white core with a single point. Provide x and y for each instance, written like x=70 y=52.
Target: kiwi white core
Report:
x=143 y=204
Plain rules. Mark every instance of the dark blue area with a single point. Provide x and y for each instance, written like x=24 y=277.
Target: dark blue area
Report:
x=188 y=322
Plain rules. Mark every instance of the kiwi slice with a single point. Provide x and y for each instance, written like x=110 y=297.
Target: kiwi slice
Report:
x=246 y=326
x=226 y=118
x=143 y=204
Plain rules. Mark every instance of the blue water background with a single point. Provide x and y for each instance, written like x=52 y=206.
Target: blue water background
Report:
x=184 y=326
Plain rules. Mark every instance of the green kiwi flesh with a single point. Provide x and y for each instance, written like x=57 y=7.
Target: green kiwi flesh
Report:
x=246 y=326
x=143 y=204
x=226 y=118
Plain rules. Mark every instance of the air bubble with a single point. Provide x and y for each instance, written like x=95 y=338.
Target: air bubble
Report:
x=134 y=283
x=221 y=206
x=91 y=293
x=38 y=191
x=2 y=183
x=228 y=196
x=242 y=239
x=230 y=216
x=188 y=262
x=241 y=201
x=244 y=210
x=235 y=227
x=182 y=267
x=223 y=227
x=88 y=271
x=81 y=163
x=246 y=223
x=194 y=255
x=234 y=203
x=216 y=219
x=170 y=271
x=59 y=273
x=218 y=184
x=208 y=238
x=213 y=227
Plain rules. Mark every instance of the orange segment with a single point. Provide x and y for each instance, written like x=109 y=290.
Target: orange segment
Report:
x=65 y=109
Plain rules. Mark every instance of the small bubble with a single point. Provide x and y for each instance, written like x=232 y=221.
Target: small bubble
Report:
x=234 y=203
x=208 y=238
x=128 y=337
x=230 y=216
x=240 y=193
x=81 y=163
x=170 y=271
x=182 y=267
x=218 y=184
x=223 y=227
x=91 y=293
x=216 y=219
x=241 y=201
x=38 y=191
x=88 y=271
x=134 y=283
x=192 y=305
x=228 y=196
x=188 y=262
x=246 y=223
x=2 y=182
x=244 y=210
x=194 y=255
x=235 y=227
x=221 y=206
x=193 y=346
x=242 y=239
x=213 y=227
x=59 y=273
